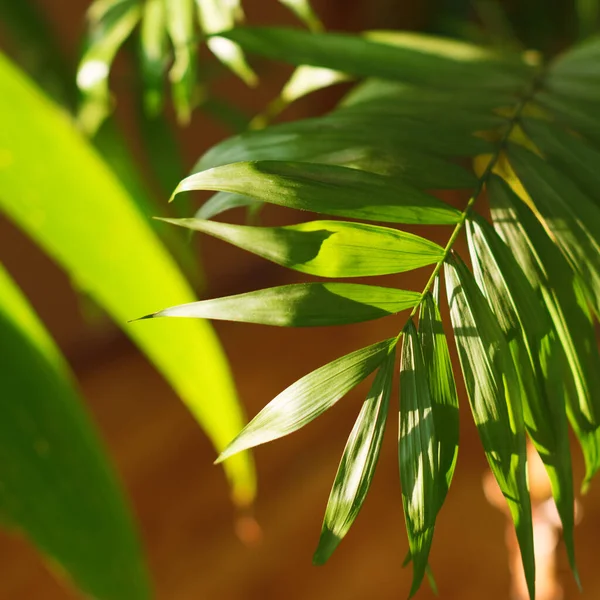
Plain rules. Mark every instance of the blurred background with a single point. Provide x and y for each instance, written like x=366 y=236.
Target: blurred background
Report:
x=197 y=544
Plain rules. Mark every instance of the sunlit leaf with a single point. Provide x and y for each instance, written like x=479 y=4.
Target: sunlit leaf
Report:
x=327 y=248
x=57 y=486
x=111 y=23
x=327 y=189
x=309 y=397
x=537 y=356
x=495 y=397
x=62 y=195
x=304 y=11
x=357 y=467
x=548 y=271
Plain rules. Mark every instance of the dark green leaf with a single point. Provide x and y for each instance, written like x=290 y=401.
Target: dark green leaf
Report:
x=537 y=355
x=570 y=216
x=442 y=390
x=548 y=271
x=416 y=59
x=327 y=248
x=222 y=202
x=418 y=458
x=495 y=397
x=154 y=54
x=56 y=485
x=357 y=467
x=325 y=189
x=302 y=305
x=309 y=397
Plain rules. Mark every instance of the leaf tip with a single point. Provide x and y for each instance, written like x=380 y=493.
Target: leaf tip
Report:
x=328 y=542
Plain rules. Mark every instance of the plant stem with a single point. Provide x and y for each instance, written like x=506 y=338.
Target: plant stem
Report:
x=514 y=119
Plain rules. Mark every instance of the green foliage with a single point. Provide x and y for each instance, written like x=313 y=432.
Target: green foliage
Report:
x=523 y=320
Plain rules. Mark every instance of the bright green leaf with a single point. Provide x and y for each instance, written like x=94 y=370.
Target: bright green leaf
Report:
x=495 y=397
x=357 y=467
x=304 y=11
x=60 y=193
x=327 y=189
x=222 y=202
x=56 y=485
x=309 y=397
x=327 y=248
x=302 y=305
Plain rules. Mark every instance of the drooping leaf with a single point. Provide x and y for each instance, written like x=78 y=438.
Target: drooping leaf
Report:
x=327 y=248
x=222 y=202
x=568 y=214
x=442 y=390
x=111 y=23
x=495 y=398
x=56 y=484
x=216 y=16
x=181 y=18
x=309 y=397
x=548 y=271
x=302 y=305
x=417 y=453
x=537 y=355
x=325 y=189
x=422 y=60
x=110 y=250
x=154 y=53
x=369 y=146
x=357 y=467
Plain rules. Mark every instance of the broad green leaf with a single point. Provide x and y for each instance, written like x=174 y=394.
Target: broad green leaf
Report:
x=495 y=397
x=327 y=189
x=304 y=11
x=418 y=455
x=309 y=397
x=548 y=271
x=222 y=202
x=111 y=23
x=327 y=248
x=568 y=153
x=62 y=194
x=56 y=484
x=568 y=214
x=442 y=390
x=216 y=16
x=357 y=467
x=180 y=24
x=427 y=63
x=154 y=53
x=537 y=356
x=302 y=305
x=373 y=147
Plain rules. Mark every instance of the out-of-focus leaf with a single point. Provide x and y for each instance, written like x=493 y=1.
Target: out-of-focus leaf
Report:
x=588 y=13
x=222 y=202
x=420 y=60
x=309 y=397
x=548 y=271
x=327 y=189
x=56 y=484
x=304 y=11
x=111 y=23
x=216 y=16
x=368 y=146
x=64 y=197
x=568 y=214
x=418 y=457
x=495 y=397
x=570 y=154
x=327 y=248
x=302 y=305
x=181 y=18
x=154 y=53
x=442 y=390
x=357 y=467
x=534 y=345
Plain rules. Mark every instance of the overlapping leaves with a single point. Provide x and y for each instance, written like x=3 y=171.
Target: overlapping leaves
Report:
x=523 y=318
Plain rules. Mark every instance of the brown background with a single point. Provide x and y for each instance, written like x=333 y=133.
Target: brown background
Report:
x=192 y=535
